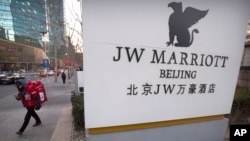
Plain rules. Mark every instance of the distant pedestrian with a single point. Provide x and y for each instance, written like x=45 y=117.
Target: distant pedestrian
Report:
x=24 y=94
x=63 y=77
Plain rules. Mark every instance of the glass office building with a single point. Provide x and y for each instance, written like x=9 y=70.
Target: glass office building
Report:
x=56 y=20
x=22 y=24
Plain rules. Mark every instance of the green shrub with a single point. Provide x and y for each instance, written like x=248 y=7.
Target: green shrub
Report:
x=241 y=97
x=240 y=111
x=78 y=111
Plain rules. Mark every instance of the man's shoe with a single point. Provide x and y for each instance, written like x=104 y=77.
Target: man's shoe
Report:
x=19 y=133
x=37 y=123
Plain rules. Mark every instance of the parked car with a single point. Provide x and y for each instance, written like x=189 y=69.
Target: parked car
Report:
x=2 y=75
x=10 y=78
x=5 y=78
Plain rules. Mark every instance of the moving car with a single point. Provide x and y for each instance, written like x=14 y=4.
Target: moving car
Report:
x=10 y=78
x=43 y=73
x=51 y=73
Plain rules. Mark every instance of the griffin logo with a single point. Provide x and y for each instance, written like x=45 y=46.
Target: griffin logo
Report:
x=180 y=22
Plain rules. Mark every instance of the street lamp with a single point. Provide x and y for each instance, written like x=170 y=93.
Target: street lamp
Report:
x=45 y=52
x=67 y=53
x=43 y=33
x=68 y=61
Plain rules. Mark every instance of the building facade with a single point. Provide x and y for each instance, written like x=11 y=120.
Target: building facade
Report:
x=21 y=25
x=17 y=56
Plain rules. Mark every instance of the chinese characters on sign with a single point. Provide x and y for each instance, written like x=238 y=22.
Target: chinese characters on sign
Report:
x=149 y=89
x=181 y=59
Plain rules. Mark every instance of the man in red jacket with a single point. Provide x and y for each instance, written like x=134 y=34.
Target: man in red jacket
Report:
x=25 y=93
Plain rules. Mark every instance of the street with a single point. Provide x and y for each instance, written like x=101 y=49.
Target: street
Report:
x=12 y=112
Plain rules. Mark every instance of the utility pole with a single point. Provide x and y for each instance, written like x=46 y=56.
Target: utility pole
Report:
x=43 y=40
x=68 y=57
x=56 y=68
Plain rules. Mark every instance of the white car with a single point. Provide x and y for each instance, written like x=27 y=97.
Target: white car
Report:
x=50 y=73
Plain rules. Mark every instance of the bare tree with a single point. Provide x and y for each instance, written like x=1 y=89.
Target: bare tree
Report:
x=73 y=28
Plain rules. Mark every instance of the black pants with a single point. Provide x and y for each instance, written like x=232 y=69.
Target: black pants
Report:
x=63 y=80
x=30 y=112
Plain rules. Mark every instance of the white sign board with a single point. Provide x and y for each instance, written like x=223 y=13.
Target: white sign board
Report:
x=148 y=61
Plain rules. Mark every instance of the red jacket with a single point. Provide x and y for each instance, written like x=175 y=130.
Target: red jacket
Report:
x=29 y=97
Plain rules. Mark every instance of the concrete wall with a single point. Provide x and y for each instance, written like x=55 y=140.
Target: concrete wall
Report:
x=246 y=57
x=244 y=74
x=79 y=87
x=244 y=78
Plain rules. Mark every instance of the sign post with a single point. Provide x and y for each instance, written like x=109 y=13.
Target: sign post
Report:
x=153 y=64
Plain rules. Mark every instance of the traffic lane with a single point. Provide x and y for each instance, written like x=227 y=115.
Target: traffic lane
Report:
x=7 y=90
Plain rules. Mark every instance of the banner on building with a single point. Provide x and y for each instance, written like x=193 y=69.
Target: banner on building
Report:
x=68 y=61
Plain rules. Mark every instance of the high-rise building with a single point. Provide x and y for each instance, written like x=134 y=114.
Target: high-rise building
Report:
x=56 y=32
x=30 y=31
x=22 y=24
x=22 y=21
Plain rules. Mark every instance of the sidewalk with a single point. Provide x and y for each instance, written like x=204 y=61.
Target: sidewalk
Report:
x=55 y=114
x=63 y=129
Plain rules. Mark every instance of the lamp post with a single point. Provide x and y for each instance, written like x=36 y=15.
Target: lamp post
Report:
x=67 y=63
x=67 y=53
x=44 y=44
x=43 y=33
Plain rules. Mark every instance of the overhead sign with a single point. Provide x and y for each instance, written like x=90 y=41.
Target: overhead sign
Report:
x=45 y=63
x=156 y=61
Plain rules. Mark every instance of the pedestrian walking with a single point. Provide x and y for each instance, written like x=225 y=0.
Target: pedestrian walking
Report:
x=63 y=77
x=25 y=93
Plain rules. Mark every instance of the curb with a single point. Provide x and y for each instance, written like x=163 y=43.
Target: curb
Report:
x=227 y=135
x=63 y=129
